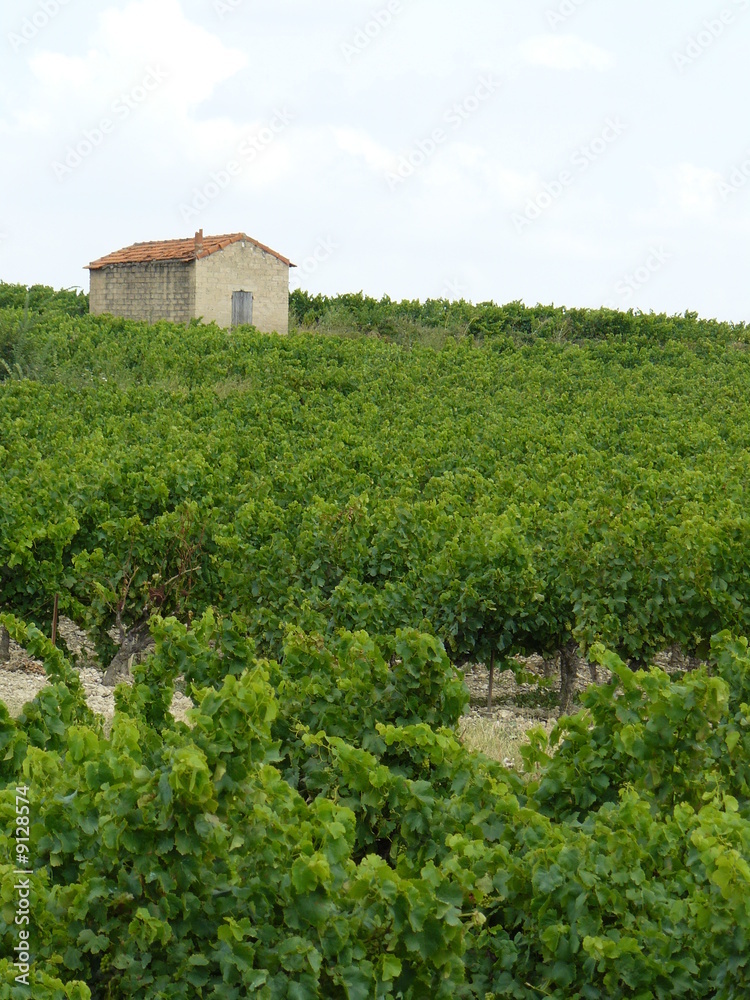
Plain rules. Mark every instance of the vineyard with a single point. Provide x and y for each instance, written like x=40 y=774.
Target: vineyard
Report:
x=319 y=531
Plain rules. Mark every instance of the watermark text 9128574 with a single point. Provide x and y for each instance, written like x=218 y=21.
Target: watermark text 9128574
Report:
x=22 y=887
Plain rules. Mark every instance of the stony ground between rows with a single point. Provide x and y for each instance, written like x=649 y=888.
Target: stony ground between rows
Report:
x=499 y=732
x=22 y=677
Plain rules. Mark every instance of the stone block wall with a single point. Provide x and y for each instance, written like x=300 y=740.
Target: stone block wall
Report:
x=243 y=267
x=150 y=292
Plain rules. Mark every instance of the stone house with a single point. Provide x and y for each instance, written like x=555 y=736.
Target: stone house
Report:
x=228 y=279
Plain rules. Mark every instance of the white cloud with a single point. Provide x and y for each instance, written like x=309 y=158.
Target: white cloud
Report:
x=687 y=195
x=126 y=43
x=464 y=173
x=152 y=31
x=357 y=143
x=694 y=189
x=52 y=69
x=479 y=176
x=146 y=69
x=565 y=52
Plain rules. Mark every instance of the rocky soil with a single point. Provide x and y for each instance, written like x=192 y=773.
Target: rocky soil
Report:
x=499 y=731
x=21 y=677
x=537 y=696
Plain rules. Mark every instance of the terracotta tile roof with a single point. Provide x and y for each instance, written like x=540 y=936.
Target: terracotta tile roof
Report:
x=186 y=250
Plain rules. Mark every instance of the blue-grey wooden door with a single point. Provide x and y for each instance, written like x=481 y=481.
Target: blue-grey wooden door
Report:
x=242 y=308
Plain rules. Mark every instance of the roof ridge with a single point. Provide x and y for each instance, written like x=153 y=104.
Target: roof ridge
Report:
x=184 y=249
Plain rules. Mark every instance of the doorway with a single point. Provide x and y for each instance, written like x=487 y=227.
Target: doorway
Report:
x=242 y=308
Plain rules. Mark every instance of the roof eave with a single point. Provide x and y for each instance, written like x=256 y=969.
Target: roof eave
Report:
x=186 y=258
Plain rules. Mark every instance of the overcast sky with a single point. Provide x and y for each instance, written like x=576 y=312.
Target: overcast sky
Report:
x=576 y=152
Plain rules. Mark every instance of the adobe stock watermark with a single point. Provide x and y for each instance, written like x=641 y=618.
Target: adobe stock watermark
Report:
x=246 y=154
x=639 y=277
x=224 y=7
x=23 y=872
x=365 y=35
x=580 y=161
x=33 y=25
x=453 y=290
x=455 y=117
x=710 y=31
x=324 y=249
x=120 y=110
x=736 y=180
x=562 y=13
